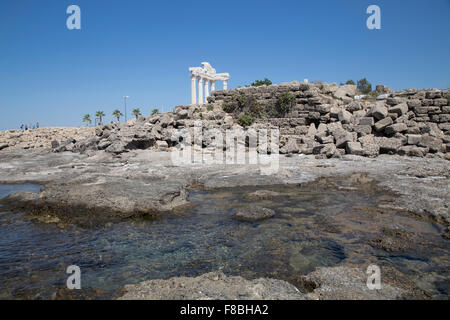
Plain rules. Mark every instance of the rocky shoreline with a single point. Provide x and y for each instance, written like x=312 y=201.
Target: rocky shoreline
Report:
x=145 y=182
x=336 y=283
x=319 y=118
x=94 y=176
x=83 y=190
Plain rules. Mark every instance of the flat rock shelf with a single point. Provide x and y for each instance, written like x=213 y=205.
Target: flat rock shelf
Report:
x=318 y=226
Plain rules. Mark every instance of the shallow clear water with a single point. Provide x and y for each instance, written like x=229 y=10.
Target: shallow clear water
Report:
x=315 y=225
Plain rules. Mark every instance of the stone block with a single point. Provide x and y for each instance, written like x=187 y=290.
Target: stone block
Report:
x=354 y=148
x=395 y=128
x=363 y=129
x=399 y=109
x=380 y=125
x=378 y=110
x=432 y=143
x=326 y=139
x=344 y=116
x=389 y=145
x=412 y=151
x=367 y=121
x=413 y=139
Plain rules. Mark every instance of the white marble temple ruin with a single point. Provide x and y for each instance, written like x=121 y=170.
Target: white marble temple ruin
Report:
x=201 y=78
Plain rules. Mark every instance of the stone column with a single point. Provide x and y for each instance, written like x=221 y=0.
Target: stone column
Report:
x=213 y=86
x=200 y=90
x=225 y=84
x=193 y=90
x=206 y=90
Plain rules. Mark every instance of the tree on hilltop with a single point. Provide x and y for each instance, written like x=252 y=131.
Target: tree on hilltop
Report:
x=100 y=114
x=364 y=86
x=116 y=113
x=265 y=82
x=136 y=112
x=87 y=119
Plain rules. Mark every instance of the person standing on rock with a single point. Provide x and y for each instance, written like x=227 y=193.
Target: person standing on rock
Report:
x=37 y=125
x=22 y=127
x=26 y=127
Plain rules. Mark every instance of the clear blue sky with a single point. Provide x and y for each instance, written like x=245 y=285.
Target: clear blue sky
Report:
x=143 y=49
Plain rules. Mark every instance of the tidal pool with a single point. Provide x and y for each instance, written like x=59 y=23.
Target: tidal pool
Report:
x=325 y=223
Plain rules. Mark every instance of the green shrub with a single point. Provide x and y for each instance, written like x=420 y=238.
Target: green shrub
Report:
x=373 y=95
x=258 y=83
x=155 y=111
x=229 y=107
x=286 y=101
x=209 y=107
x=274 y=113
x=241 y=101
x=252 y=107
x=364 y=86
x=256 y=110
x=244 y=104
x=350 y=82
x=245 y=120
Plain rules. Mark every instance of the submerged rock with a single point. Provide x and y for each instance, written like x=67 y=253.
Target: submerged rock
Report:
x=446 y=234
x=253 y=213
x=261 y=195
x=397 y=240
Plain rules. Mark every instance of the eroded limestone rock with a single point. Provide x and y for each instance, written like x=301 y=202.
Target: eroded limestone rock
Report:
x=253 y=213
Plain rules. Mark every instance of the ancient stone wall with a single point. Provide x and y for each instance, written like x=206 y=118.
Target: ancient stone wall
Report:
x=327 y=120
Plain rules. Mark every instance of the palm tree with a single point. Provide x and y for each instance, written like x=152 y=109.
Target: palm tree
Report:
x=117 y=114
x=100 y=114
x=87 y=119
x=136 y=112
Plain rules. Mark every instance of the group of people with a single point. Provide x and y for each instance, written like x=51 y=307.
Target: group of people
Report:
x=29 y=126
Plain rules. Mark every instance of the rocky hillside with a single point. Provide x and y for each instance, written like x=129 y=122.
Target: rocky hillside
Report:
x=42 y=137
x=326 y=120
x=320 y=119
